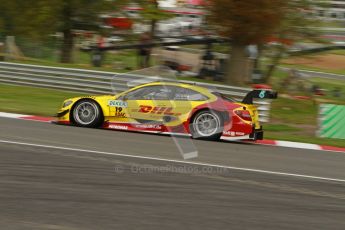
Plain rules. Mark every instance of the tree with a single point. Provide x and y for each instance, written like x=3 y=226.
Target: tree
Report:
x=298 y=24
x=245 y=22
x=153 y=13
x=30 y=18
x=37 y=19
x=72 y=14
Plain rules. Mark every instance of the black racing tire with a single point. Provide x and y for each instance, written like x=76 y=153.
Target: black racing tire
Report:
x=87 y=113
x=207 y=125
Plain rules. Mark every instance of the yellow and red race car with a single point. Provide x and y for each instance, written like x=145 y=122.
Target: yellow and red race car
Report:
x=169 y=107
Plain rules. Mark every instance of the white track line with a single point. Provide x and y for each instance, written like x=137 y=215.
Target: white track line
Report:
x=176 y=161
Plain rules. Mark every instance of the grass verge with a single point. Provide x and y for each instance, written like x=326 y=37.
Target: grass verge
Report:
x=291 y=136
x=120 y=61
x=296 y=120
x=303 y=67
x=31 y=100
x=316 y=62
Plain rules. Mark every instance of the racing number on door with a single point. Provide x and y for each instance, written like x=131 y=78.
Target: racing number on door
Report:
x=119 y=112
x=117 y=108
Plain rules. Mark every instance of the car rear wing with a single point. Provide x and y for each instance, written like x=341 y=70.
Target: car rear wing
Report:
x=260 y=94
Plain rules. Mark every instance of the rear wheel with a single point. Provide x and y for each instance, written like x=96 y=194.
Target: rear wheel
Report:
x=87 y=113
x=207 y=125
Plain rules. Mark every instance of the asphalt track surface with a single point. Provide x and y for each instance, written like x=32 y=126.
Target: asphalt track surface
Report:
x=60 y=177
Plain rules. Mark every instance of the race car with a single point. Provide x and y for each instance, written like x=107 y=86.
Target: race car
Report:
x=171 y=108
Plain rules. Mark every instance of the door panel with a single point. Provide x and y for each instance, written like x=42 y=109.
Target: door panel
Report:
x=118 y=110
x=151 y=110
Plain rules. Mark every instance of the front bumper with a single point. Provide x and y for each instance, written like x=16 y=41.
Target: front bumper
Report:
x=62 y=117
x=62 y=113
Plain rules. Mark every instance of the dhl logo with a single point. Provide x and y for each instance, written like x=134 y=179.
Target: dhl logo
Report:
x=157 y=110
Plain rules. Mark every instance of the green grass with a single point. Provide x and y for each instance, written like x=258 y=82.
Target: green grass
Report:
x=292 y=132
x=337 y=52
x=285 y=136
x=331 y=24
x=302 y=67
x=291 y=111
x=326 y=70
x=30 y=100
x=280 y=128
x=121 y=61
x=330 y=85
x=296 y=120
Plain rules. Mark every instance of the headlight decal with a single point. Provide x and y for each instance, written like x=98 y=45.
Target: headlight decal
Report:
x=67 y=103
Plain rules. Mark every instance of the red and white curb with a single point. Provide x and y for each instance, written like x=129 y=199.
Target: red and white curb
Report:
x=26 y=117
x=287 y=144
x=299 y=145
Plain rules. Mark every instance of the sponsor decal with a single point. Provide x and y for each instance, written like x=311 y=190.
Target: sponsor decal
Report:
x=240 y=134
x=228 y=133
x=117 y=103
x=233 y=134
x=122 y=127
x=119 y=113
x=145 y=109
x=262 y=94
x=158 y=110
x=148 y=126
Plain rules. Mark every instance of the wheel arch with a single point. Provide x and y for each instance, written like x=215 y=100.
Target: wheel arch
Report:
x=224 y=114
x=85 y=99
x=217 y=135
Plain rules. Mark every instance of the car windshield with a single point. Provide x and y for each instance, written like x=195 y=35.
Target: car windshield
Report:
x=125 y=81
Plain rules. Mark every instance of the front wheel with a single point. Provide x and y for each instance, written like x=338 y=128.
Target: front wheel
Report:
x=207 y=125
x=87 y=113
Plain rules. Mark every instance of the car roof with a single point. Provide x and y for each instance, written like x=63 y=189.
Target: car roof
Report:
x=200 y=89
x=180 y=84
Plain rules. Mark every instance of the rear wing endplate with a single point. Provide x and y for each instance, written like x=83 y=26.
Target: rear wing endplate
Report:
x=259 y=94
